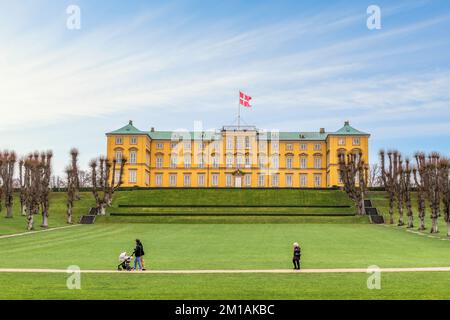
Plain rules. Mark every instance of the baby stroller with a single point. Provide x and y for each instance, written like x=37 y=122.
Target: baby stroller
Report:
x=125 y=262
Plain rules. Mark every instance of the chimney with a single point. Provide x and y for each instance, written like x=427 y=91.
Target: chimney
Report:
x=347 y=123
x=152 y=129
x=322 y=130
x=130 y=122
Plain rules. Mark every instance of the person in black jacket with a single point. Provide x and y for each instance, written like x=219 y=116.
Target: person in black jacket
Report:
x=138 y=253
x=297 y=256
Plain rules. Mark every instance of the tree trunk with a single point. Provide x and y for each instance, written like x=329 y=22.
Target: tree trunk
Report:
x=44 y=219
x=69 y=214
x=448 y=228
x=422 y=223
x=103 y=209
x=23 y=210
x=410 y=221
x=434 y=225
x=9 y=212
x=30 y=220
x=400 y=216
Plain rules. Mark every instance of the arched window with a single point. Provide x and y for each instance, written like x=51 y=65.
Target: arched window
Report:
x=133 y=156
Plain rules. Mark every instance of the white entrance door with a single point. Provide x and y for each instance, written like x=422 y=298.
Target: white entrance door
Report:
x=238 y=182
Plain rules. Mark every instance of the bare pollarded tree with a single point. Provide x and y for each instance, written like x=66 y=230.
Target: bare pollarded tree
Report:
x=74 y=164
x=407 y=193
x=72 y=183
x=45 y=168
x=7 y=165
x=444 y=185
x=433 y=192
x=388 y=176
x=104 y=184
x=31 y=187
x=399 y=178
x=353 y=172
x=22 y=195
x=420 y=179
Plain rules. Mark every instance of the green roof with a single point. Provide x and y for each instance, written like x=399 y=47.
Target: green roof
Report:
x=347 y=129
x=128 y=129
x=210 y=135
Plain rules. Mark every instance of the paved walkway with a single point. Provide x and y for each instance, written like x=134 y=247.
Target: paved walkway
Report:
x=344 y=270
x=37 y=231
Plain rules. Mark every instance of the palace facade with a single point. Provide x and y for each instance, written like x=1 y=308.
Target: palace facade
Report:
x=234 y=156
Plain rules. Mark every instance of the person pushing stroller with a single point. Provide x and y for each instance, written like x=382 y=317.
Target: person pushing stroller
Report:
x=138 y=253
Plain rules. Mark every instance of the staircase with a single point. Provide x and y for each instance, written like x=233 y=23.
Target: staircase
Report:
x=89 y=218
x=372 y=212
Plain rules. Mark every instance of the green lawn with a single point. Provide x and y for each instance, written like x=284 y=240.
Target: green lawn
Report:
x=229 y=246
x=222 y=243
x=225 y=286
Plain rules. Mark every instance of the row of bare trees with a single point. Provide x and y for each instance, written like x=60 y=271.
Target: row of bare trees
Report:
x=354 y=176
x=35 y=178
x=429 y=176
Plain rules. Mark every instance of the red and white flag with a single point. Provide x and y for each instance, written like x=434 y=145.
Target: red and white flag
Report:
x=244 y=100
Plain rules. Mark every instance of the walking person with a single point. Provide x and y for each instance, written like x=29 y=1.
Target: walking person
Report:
x=138 y=253
x=297 y=256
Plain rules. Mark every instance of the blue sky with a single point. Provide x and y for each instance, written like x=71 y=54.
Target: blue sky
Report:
x=166 y=64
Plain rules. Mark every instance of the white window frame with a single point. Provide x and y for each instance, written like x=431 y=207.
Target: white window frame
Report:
x=317 y=162
x=303 y=162
x=215 y=179
x=317 y=180
x=275 y=180
x=133 y=157
x=187 y=161
x=133 y=140
x=159 y=161
x=356 y=141
x=303 y=146
x=317 y=147
x=248 y=180
x=158 y=180
x=132 y=176
x=261 y=180
x=201 y=180
x=303 y=180
x=118 y=156
x=187 y=180
x=119 y=140
x=289 y=161
x=173 y=161
x=173 y=179
x=289 y=180
x=228 y=180
x=159 y=146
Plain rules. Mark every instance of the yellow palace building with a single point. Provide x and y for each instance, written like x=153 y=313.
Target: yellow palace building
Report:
x=233 y=156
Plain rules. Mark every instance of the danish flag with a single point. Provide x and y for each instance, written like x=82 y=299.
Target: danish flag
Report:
x=244 y=100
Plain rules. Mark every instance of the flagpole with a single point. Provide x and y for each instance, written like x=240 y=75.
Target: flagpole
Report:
x=239 y=110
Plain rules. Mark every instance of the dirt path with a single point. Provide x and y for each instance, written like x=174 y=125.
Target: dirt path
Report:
x=343 y=270
x=37 y=231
